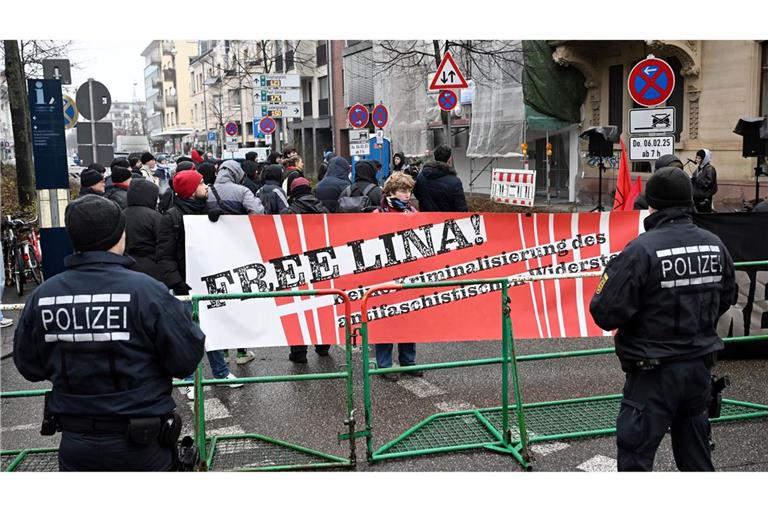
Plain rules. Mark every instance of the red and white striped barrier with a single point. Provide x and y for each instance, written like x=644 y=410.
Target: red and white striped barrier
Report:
x=513 y=186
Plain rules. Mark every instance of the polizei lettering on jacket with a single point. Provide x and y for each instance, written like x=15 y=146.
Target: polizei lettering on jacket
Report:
x=690 y=265
x=77 y=318
x=355 y=257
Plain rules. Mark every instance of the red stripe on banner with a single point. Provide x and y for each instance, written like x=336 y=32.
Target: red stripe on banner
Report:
x=315 y=236
x=292 y=329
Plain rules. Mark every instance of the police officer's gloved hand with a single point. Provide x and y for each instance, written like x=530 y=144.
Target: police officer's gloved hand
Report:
x=214 y=215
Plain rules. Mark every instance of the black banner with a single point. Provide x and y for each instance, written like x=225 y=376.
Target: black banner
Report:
x=746 y=236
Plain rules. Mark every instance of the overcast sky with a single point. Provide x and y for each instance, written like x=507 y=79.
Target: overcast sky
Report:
x=117 y=64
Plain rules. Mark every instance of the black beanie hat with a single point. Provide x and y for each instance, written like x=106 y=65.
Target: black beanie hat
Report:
x=669 y=187
x=185 y=166
x=147 y=157
x=667 y=161
x=120 y=162
x=94 y=223
x=90 y=177
x=98 y=167
x=121 y=174
x=701 y=153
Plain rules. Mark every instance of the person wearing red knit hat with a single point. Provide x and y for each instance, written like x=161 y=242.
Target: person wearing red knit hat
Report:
x=190 y=195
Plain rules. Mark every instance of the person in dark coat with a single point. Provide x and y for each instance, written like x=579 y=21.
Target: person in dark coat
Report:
x=365 y=174
x=271 y=193
x=91 y=182
x=333 y=184
x=142 y=226
x=704 y=181
x=110 y=354
x=121 y=180
x=438 y=188
x=301 y=201
x=294 y=168
x=190 y=198
x=252 y=174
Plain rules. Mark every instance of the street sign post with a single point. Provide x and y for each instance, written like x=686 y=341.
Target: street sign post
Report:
x=380 y=116
x=231 y=128
x=279 y=96
x=93 y=100
x=358 y=115
x=448 y=75
x=651 y=148
x=278 y=110
x=70 y=112
x=447 y=100
x=651 y=82
x=652 y=120
x=359 y=144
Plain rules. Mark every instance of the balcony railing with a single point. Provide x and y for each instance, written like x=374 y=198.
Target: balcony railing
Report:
x=158 y=105
x=171 y=100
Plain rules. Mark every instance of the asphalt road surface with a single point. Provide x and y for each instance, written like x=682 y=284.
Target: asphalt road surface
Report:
x=312 y=413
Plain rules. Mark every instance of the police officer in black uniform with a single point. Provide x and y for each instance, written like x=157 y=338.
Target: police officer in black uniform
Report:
x=664 y=293
x=109 y=339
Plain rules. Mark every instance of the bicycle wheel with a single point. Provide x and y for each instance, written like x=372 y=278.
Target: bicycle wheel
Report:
x=19 y=273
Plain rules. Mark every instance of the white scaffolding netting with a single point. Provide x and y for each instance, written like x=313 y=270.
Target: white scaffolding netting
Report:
x=498 y=111
x=403 y=89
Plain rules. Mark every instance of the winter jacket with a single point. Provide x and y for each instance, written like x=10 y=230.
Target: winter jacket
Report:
x=290 y=174
x=111 y=351
x=439 y=189
x=170 y=242
x=118 y=194
x=365 y=174
x=149 y=174
x=271 y=193
x=84 y=191
x=142 y=226
x=666 y=290
x=228 y=194
x=704 y=180
x=335 y=181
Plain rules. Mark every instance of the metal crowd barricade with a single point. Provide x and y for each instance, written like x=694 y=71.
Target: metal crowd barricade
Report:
x=537 y=422
x=248 y=452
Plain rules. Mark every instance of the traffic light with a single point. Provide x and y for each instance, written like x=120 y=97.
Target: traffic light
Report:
x=524 y=148
x=549 y=149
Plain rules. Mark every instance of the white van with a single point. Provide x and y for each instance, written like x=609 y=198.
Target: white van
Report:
x=262 y=153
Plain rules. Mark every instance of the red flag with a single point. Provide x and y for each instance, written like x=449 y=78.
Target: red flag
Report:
x=623 y=182
x=636 y=190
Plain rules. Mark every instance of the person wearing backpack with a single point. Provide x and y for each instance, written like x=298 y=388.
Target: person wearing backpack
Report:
x=334 y=182
x=364 y=195
x=302 y=201
x=228 y=195
x=271 y=193
x=397 y=199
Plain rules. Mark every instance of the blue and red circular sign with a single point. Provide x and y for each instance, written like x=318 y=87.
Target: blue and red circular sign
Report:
x=358 y=115
x=651 y=82
x=267 y=125
x=447 y=100
x=231 y=128
x=380 y=116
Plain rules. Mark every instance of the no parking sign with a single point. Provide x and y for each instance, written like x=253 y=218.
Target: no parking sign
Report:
x=651 y=82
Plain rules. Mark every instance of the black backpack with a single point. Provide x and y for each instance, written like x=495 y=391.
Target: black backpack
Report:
x=356 y=204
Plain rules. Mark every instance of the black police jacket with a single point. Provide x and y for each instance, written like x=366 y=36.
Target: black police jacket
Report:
x=109 y=339
x=666 y=290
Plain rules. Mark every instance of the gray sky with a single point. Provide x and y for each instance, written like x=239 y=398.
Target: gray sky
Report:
x=117 y=64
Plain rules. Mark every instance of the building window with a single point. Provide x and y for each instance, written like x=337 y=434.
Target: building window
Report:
x=616 y=88
x=322 y=95
x=234 y=98
x=764 y=80
x=321 y=54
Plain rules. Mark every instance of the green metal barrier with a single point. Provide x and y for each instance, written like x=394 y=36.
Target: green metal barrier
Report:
x=537 y=422
x=434 y=435
x=253 y=452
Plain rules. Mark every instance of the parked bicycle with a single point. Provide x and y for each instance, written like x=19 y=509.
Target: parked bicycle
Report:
x=21 y=253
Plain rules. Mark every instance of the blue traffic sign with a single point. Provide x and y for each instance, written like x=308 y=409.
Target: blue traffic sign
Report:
x=267 y=125
x=651 y=82
x=380 y=116
x=358 y=115
x=447 y=100
x=49 y=147
x=211 y=136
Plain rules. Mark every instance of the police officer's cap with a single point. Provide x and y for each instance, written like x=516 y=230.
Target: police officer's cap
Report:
x=669 y=187
x=94 y=223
